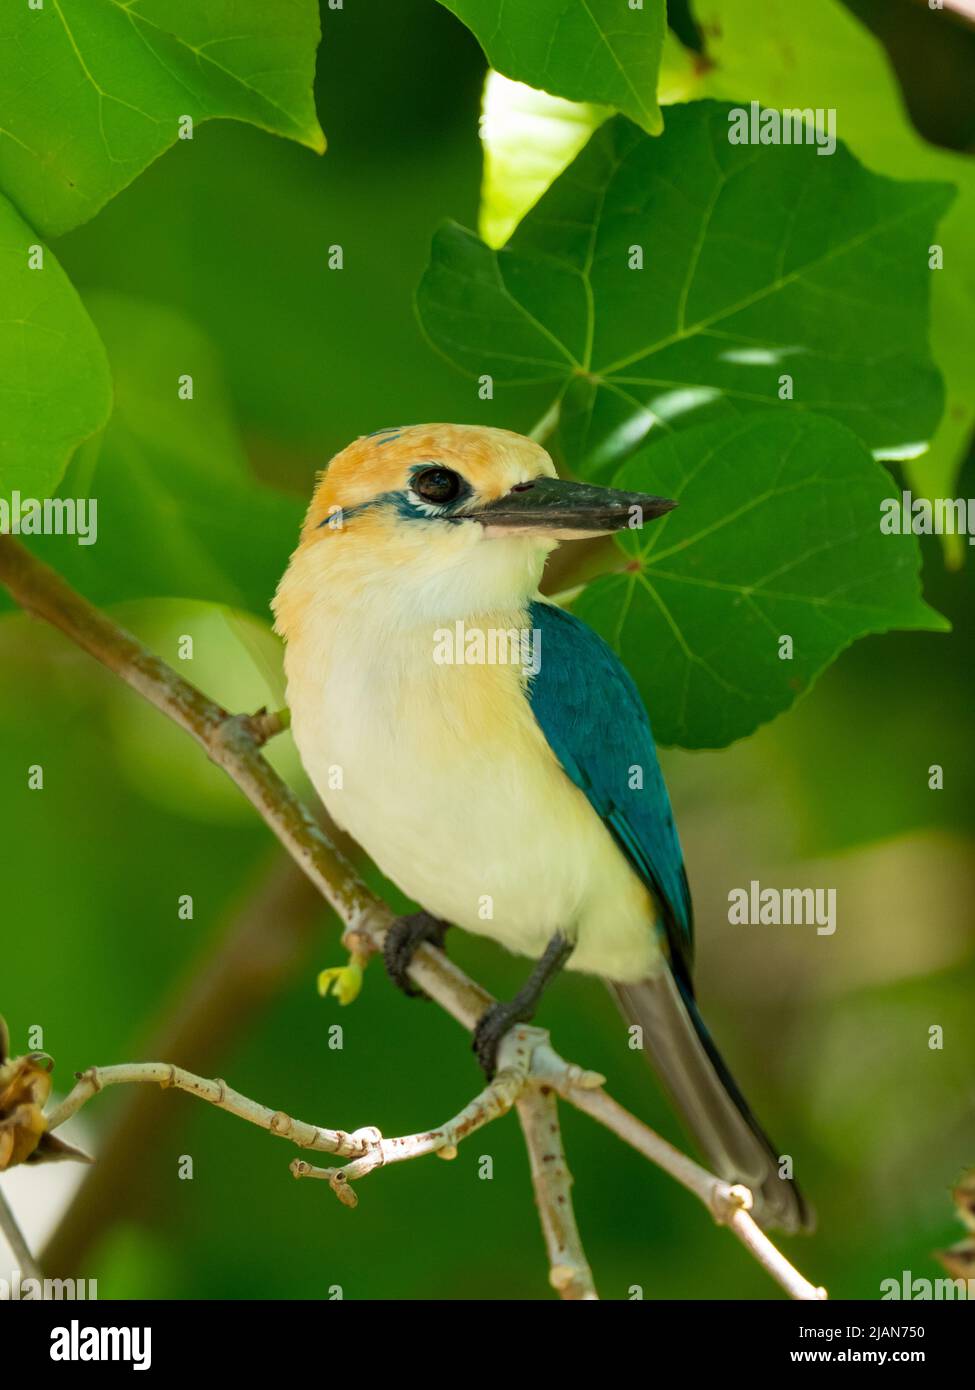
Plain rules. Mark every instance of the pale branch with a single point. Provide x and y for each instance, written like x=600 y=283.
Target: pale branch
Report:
x=233 y=742
x=14 y=1236
x=369 y=1150
x=261 y=945
x=496 y=1099
x=267 y=724
x=214 y=1092
x=729 y=1204
x=568 y=1268
x=529 y=1076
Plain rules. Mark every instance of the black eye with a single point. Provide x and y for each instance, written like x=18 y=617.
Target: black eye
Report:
x=437 y=485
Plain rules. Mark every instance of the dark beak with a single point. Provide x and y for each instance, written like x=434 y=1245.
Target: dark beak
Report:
x=570 y=510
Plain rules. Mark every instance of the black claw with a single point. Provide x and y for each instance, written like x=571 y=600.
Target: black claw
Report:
x=399 y=947
x=491 y=1028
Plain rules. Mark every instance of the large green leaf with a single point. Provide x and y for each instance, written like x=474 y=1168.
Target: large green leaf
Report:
x=55 y=387
x=817 y=54
x=179 y=512
x=528 y=137
x=759 y=261
x=587 y=50
x=91 y=91
x=777 y=535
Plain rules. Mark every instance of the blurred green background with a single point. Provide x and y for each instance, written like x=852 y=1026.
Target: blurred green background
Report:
x=828 y=1035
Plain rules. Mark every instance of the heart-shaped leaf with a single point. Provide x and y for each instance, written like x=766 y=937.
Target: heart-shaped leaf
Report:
x=728 y=608
x=665 y=281
x=819 y=54
x=603 y=51
x=528 y=137
x=91 y=91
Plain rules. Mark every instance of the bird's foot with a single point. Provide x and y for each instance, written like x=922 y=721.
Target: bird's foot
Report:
x=491 y=1027
x=401 y=941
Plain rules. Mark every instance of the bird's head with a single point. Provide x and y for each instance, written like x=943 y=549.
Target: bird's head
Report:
x=451 y=519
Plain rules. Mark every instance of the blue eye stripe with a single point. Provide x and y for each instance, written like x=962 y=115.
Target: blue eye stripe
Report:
x=406 y=509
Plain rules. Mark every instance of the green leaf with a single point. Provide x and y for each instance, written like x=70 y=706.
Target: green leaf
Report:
x=586 y=50
x=179 y=513
x=529 y=137
x=237 y=660
x=817 y=54
x=55 y=388
x=777 y=535
x=758 y=262
x=91 y=91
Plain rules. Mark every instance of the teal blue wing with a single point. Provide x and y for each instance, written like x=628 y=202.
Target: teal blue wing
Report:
x=597 y=726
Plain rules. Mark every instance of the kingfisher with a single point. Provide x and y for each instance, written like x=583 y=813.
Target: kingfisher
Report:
x=509 y=788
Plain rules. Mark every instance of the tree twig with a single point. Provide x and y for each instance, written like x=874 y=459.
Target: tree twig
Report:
x=730 y=1205
x=265 y=943
x=569 y=1272
x=14 y=1237
x=496 y=1099
x=530 y=1074
x=233 y=743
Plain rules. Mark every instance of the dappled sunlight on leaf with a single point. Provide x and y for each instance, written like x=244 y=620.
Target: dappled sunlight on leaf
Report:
x=822 y=56
x=648 y=259
x=777 y=536
x=528 y=137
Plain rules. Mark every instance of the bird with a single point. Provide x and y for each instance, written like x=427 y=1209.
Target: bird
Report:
x=492 y=755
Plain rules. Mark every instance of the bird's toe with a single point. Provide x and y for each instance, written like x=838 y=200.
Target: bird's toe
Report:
x=400 y=945
x=491 y=1027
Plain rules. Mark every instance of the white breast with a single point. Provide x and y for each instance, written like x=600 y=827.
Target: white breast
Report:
x=443 y=776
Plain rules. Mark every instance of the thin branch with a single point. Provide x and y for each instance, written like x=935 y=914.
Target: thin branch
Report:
x=14 y=1237
x=233 y=743
x=569 y=1271
x=265 y=724
x=529 y=1071
x=261 y=946
x=215 y=1092
x=741 y=1224
x=496 y=1099
x=730 y=1205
